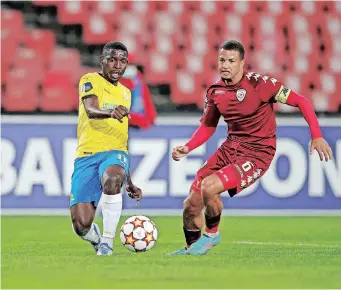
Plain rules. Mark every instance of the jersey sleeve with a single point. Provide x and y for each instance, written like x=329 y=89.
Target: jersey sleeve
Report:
x=273 y=91
x=211 y=114
x=87 y=86
x=128 y=105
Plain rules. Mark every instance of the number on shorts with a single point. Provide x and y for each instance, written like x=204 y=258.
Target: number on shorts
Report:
x=122 y=158
x=247 y=166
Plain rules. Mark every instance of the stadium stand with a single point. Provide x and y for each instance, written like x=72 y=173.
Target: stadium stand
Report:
x=49 y=45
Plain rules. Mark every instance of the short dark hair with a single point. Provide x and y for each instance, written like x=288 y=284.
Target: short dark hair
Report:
x=234 y=45
x=114 y=45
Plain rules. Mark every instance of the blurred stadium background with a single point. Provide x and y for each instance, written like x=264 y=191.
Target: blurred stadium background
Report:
x=46 y=46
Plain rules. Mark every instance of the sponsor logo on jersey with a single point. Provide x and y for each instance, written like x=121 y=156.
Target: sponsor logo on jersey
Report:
x=109 y=106
x=239 y=170
x=241 y=93
x=87 y=87
x=125 y=95
x=282 y=94
x=219 y=92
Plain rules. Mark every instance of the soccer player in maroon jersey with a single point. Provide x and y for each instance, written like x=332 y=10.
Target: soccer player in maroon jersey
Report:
x=245 y=100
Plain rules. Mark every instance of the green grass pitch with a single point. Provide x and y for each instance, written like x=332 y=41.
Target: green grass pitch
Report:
x=281 y=252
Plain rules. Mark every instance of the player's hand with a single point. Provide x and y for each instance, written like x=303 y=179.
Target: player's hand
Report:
x=134 y=192
x=179 y=152
x=119 y=113
x=322 y=148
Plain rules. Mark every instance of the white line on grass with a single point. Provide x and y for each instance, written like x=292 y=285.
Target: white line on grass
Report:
x=285 y=244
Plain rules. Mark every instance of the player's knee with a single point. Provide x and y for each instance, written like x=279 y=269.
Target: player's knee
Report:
x=192 y=207
x=208 y=188
x=112 y=185
x=81 y=224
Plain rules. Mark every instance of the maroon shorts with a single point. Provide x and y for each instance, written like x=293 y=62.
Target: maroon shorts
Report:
x=248 y=163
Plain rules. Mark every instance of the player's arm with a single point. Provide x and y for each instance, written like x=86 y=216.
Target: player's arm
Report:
x=94 y=112
x=88 y=95
x=209 y=122
x=291 y=98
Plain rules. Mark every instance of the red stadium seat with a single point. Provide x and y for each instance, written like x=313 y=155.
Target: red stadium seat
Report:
x=42 y=41
x=29 y=59
x=66 y=60
x=184 y=89
x=59 y=93
x=21 y=92
x=335 y=97
x=97 y=30
x=158 y=71
x=12 y=26
x=73 y=12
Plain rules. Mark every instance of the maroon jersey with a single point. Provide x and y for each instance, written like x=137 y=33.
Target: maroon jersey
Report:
x=247 y=108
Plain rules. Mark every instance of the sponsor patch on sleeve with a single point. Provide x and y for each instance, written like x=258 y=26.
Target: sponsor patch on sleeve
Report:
x=87 y=87
x=283 y=94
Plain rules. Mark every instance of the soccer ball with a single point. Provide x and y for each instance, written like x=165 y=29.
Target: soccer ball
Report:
x=138 y=234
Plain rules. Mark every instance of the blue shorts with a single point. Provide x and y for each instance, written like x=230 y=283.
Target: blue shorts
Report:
x=88 y=172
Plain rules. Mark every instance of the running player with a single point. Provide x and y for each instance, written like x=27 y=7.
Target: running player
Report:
x=245 y=100
x=102 y=160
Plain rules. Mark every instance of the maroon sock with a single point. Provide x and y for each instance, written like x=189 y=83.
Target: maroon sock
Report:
x=212 y=224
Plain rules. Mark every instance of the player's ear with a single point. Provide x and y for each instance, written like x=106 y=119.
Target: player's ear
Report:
x=242 y=64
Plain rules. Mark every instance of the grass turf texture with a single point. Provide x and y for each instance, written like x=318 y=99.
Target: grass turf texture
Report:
x=43 y=252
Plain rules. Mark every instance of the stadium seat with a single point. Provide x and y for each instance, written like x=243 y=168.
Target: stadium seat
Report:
x=97 y=30
x=181 y=38
x=29 y=59
x=59 y=93
x=21 y=92
x=66 y=60
x=42 y=41
x=12 y=26
x=73 y=12
x=159 y=71
x=184 y=89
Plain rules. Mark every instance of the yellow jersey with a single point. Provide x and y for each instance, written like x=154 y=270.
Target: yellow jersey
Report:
x=99 y=135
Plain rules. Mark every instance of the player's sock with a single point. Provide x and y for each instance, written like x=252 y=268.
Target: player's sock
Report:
x=191 y=236
x=111 y=211
x=91 y=235
x=212 y=225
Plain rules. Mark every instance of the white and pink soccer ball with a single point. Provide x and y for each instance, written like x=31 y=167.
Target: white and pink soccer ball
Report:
x=138 y=234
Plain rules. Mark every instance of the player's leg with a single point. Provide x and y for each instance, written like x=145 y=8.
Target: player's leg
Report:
x=193 y=205
x=114 y=171
x=192 y=217
x=211 y=188
x=84 y=186
x=82 y=215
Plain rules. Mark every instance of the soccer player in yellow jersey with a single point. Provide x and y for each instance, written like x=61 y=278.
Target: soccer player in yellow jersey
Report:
x=102 y=160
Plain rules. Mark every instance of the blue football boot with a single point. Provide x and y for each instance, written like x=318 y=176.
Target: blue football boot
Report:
x=183 y=251
x=204 y=244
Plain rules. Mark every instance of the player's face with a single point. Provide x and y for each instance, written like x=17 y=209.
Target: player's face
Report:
x=114 y=63
x=229 y=64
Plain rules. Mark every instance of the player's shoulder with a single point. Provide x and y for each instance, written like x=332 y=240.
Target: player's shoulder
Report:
x=214 y=87
x=90 y=76
x=255 y=79
x=124 y=88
